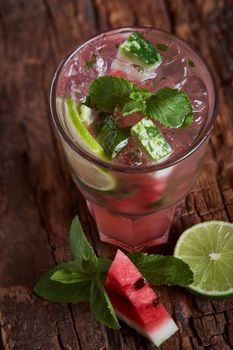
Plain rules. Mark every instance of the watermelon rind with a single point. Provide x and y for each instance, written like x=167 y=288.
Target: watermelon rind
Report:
x=158 y=336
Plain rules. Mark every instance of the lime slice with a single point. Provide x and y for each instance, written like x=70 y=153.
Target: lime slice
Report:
x=77 y=128
x=90 y=174
x=208 y=249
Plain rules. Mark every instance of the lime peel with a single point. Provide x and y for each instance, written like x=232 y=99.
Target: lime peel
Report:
x=79 y=131
x=89 y=173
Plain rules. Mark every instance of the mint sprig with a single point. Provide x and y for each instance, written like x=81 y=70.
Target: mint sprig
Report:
x=101 y=306
x=70 y=274
x=171 y=107
x=83 y=252
x=80 y=280
x=108 y=92
x=111 y=137
x=133 y=106
x=60 y=292
x=83 y=279
x=162 y=270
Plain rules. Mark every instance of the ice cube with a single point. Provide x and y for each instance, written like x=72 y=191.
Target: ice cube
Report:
x=197 y=92
x=133 y=154
x=131 y=71
x=101 y=66
x=174 y=70
x=178 y=140
x=172 y=54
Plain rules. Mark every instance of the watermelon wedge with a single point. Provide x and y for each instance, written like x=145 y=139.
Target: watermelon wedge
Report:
x=136 y=303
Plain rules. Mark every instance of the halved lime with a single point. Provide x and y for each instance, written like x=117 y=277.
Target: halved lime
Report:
x=89 y=173
x=208 y=249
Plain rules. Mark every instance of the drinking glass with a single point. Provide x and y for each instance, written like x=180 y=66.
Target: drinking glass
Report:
x=133 y=206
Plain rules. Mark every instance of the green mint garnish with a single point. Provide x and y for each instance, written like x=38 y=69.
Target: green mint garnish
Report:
x=191 y=63
x=83 y=279
x=101 y=305
x=188 y=120
x=162 y=47
x=140 y=95
x=162 y=270
x=90 y=64
x=133 y=106
x=117 y=46
x=103 y=264
x=169 y=106
x=111 y=137
x=83 y=252
x=70 y=273
x=58 y=284
x=59 y=292
x=108 y=92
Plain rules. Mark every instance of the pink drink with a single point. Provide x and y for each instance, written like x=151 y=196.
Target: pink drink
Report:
x=132 y=198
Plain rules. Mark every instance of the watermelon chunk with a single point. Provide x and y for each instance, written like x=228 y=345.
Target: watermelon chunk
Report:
x=136 y=303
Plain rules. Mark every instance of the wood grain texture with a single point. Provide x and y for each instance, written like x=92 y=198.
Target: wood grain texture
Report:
x=38 y=199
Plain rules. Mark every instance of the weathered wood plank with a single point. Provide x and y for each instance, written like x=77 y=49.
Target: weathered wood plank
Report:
x=38 y=199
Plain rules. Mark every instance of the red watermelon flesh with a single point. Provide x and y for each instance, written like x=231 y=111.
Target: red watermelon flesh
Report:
x=136 y=303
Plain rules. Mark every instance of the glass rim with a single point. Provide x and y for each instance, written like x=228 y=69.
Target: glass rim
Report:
x=204 y=134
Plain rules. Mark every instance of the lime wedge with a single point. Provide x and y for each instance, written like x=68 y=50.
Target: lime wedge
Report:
x=92 y=176
x=208 y=249
x=75 y=125
x=89 y=173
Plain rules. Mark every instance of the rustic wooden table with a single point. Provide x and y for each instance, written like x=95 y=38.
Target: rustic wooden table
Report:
x=38 y=198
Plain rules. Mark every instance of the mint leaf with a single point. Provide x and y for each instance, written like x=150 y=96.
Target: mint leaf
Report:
x=111 y=137
x=103 y=264
x=188 y=120
x=159 y=269
x=107 y=92
x=69 y=273
x=140 y=95
x=84 y=254
x=133 y=106
x=169 y=106
x=59 y=292
x=101 y=306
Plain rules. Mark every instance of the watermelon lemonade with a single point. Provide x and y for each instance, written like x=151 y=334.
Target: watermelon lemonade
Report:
x=134 y=108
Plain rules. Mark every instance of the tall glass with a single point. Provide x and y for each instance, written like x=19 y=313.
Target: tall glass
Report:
x=133 y=207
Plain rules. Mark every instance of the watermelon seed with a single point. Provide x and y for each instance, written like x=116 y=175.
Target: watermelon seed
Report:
x=155 y=302
x=139 y=283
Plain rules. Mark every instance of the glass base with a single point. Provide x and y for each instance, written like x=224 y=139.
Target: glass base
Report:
x=130 y=249
x=132 y=233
